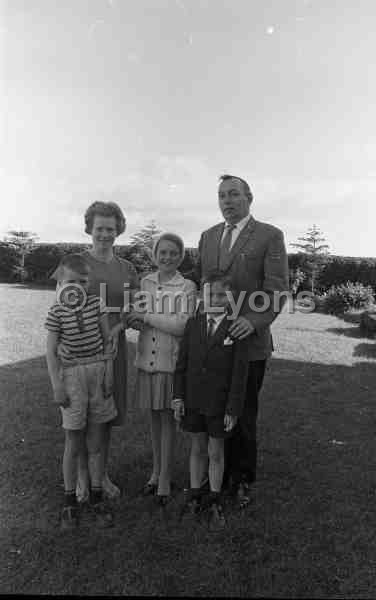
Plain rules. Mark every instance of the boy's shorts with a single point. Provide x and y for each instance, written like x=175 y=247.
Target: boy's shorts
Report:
x=195 y=422
x=84 y=385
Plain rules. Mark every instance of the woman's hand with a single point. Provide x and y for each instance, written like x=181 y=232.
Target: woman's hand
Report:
x=113 y=339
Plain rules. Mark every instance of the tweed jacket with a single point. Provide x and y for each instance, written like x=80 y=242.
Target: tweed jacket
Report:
x=211 y=374
x=158 y=342
x=257 y=262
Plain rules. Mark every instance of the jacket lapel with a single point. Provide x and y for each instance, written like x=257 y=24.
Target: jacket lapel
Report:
x=242 y=239
x=217 y=242
x=203 y=332
x=220 y=333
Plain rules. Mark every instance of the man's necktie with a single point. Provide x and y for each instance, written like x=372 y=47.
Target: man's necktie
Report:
x=211 y=326
x=225 y=245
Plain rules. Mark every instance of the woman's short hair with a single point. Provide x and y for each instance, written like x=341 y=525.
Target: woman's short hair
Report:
x=105 y=209
x=169 y=237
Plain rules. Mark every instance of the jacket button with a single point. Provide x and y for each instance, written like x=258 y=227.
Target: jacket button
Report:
x=153 y=339
x=151 y=364
x=153 y=351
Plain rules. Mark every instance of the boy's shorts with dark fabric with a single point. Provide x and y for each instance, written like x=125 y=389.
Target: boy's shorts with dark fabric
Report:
x=195 y=422
x=85 y=387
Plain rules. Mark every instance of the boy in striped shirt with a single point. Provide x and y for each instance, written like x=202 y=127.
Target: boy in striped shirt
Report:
x=81 y=378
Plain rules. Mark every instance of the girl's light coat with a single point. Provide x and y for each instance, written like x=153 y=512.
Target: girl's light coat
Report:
x=169 y=307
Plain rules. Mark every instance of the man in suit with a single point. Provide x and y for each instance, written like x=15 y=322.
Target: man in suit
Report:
x=254 y=255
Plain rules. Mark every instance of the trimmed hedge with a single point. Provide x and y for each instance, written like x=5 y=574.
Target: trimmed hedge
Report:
x=42 y=260
x=9 y=262
x=337 y=270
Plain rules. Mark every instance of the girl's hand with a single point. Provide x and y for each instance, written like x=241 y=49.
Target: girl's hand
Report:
x=135 y=318
x=229 y=422
x=60 y=396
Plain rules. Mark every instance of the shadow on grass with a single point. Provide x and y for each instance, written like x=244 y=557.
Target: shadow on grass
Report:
x=352 y=332
x=365 y=350
x=352 y=317
x=308 y=532
x=50 y=284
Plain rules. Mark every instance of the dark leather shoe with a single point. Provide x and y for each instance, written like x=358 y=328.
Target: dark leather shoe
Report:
x=243 y=495
x=216 y=517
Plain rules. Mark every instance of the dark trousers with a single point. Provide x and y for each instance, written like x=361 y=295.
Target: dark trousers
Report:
x=241 y=446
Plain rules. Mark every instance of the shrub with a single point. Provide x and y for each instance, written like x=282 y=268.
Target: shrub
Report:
x=340 y=269
x=43 y=259
x=189 y=264
x=9 y=262
x=342 y=298
x=296 y=279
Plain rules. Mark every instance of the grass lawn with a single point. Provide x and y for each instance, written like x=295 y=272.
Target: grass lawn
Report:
x=308 y=533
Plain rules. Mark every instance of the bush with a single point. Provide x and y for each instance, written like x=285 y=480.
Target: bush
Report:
x=189 y=264
x=337 y=270
x=349 y=296
x=43 y=259
x=340 y=269
x=9 y=262
x=296 y=279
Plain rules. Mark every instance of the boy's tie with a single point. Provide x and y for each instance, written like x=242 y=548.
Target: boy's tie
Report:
x=225 y=245
x=211 y=325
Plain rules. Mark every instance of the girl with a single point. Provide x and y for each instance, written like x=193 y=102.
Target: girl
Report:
x=169 y=300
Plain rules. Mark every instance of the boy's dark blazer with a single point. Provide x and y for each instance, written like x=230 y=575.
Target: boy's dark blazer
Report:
x=210 y=376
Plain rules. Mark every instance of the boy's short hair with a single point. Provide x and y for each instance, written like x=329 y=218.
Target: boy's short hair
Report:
x=217 y=276
x=74 y=262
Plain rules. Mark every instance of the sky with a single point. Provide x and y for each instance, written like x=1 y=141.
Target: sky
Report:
x=147 y=102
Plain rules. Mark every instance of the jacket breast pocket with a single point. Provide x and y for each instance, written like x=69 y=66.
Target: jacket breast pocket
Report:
x=251 y=256
x=250 y=265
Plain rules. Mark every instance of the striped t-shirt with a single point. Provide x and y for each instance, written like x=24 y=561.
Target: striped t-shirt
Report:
x=79 y=332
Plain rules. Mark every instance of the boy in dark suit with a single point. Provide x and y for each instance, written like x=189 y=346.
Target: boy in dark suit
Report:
x=209 y=389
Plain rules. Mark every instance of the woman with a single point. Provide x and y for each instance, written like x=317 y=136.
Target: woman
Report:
x=111 y=278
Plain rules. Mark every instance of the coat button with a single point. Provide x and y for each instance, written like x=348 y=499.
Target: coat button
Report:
x=153 y=339
x=153 y=351
x=151 y=364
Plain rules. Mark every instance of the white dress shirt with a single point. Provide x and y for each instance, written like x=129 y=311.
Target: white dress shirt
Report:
x=236 y=231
